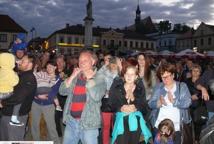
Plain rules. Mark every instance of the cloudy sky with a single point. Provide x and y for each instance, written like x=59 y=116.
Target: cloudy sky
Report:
x=48 y=16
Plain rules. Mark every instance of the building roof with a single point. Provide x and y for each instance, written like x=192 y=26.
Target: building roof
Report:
x=97 y=31
x=146 y=26
x=209 y=26
x=80 y=30
x=7 y=24
x=134 y=35
x=186 y=35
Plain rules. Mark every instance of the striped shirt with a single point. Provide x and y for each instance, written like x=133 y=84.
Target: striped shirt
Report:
x=79 y=98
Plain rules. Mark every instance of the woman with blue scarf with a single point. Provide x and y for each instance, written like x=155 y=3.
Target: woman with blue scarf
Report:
x=126 y=99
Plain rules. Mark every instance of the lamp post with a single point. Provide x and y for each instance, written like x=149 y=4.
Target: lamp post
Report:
x=32 y=36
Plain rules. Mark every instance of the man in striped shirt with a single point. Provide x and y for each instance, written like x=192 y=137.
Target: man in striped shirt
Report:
x=85 y=89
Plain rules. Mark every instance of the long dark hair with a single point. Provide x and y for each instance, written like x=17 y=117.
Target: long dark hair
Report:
x=169 y=124
x=147 y=70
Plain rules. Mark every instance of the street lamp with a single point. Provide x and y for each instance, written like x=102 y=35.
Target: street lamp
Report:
x=32 y=36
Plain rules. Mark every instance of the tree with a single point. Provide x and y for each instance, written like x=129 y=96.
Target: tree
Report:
x=164 y=26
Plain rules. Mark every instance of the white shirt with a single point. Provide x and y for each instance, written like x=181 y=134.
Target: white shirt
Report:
x=168 y=111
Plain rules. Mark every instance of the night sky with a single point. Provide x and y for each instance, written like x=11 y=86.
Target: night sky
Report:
x=48 y=16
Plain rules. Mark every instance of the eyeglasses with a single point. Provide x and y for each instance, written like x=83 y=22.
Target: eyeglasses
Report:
x=166 y=77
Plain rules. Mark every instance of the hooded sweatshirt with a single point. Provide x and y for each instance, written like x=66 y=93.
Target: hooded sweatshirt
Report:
x=8 y=78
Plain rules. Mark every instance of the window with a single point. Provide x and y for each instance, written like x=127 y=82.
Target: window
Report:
x=97 y=41
x=152 y=45
x=136 y=44
x=61 y=39
x=164 y=43
x=120 y=43
x=125 y=43
x=104 y=42
x=195 y=43
x=142 y=45
x=202 y=32
x=69 y=40
x=170 y=42
x=131 y=44
x=112 y=43
x=69 y=51
x=209 y=41
x=62 y=50
x=188 y=42
x=147 y=45
x=202 y=42
x=3 y=37
x=76 y=40
x=14 y=37
x=182 y=43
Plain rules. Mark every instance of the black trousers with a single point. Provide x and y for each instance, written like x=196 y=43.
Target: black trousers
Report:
x=129 y=137
x=59 y=114
x=58 y=117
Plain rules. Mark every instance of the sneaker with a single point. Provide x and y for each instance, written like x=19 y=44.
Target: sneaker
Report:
x=16 y=123
x=58 y=108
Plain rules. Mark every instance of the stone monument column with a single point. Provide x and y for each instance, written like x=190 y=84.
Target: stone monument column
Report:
x=88 y=40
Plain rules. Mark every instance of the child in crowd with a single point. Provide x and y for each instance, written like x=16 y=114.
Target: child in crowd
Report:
x=165 y=133
x=9 y=79
x=46 y=80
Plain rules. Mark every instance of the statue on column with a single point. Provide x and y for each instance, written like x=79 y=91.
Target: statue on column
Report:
x=89 y=9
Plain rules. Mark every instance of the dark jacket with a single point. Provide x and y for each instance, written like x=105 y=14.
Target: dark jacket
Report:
x=207 y=80
x=23 y=94
x=194 y=91
x=117 y=95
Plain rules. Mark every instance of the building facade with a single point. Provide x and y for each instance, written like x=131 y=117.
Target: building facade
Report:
x=201 y=40
x=166 y=41
x=8 y=31
x=70 y=40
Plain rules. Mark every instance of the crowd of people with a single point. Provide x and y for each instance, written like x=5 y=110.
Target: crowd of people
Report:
x=104 y=98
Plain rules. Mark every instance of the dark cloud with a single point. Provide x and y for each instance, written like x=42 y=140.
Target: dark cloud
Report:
x=48 y=16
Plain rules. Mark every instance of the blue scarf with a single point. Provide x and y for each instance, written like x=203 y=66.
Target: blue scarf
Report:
x=133 y=125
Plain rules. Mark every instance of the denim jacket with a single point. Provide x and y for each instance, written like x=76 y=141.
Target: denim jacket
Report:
x=182 y=101
x=95 y=90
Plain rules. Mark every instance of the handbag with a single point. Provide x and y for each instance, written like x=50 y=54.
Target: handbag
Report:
x=200 y=114
x=186 y=133
x=186 y=129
